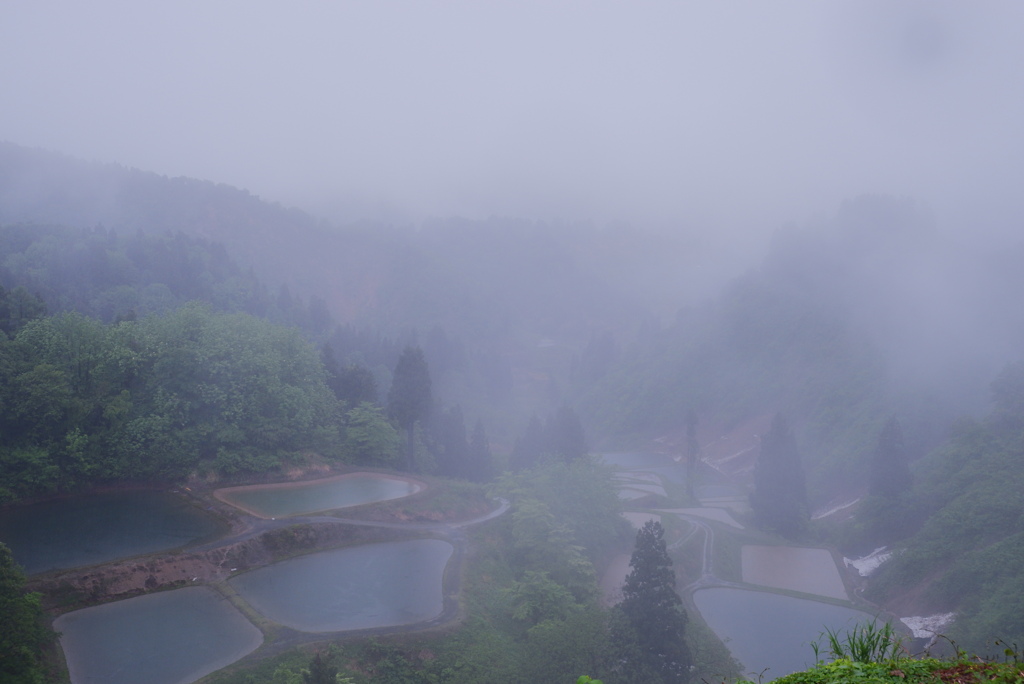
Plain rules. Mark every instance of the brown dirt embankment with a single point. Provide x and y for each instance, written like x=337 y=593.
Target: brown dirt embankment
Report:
x=71 y=589
x=253 y=543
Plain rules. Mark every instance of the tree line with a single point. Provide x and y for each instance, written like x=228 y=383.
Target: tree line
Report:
x=193 y=392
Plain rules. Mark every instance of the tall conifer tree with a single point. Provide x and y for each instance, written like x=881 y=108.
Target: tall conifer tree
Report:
x=410 y=396
x=779 y=499
x=654 y=612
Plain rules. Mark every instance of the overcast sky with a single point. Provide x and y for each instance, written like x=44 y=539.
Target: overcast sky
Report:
x=721 y=114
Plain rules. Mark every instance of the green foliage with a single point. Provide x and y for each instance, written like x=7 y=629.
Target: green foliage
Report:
x=906 y=671
x=17 y=307
x=653 y=613
x=82 y=402
x=23 y=634
x=559 y=649
x=967 y=505
x=863 y=643
x=322 y=672
x=538 y=598
x=369 y=438
x=581 y=496
x=112 y=278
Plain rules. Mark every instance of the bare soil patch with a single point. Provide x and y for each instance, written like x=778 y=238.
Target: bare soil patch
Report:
x=77 y=588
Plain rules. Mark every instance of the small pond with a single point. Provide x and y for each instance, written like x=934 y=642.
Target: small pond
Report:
x=171 y=637
x=96 y=528
x=376 y=585
x=298 y=498
x=773 y=631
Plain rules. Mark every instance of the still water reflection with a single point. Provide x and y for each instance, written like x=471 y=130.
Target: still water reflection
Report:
x=773 y=631
x=96 y=528
x=375 y=585
x=296 y=498
x=164 y=638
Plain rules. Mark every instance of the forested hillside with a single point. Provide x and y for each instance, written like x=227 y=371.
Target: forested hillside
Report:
x=513 y=315
x=157 y=400
x=964 y=517
x=158 y=329
x=845 y=322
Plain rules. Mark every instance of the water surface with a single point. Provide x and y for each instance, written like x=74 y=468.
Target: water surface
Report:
x=765 y=630
x=97 y=528
x=375 y=585
x=297 y=498
x=171 y=637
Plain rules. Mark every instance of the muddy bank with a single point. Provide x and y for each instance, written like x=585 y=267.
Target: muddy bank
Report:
x=253 y=542
x=72 y=589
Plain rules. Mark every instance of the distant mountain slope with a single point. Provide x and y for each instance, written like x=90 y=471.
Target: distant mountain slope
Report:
x=521 y=299
x=470 y=278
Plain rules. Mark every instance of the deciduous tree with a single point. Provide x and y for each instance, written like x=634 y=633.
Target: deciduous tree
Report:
x=23 y=634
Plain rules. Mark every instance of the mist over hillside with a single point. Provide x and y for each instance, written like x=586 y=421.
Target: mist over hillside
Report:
x=776 y=249
x=881 y=309
x=884 y=295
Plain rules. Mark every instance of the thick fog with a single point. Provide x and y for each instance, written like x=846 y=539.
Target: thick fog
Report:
x=730 y=118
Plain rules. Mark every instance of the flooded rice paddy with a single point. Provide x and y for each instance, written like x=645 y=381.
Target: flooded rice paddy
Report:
x=179 y=636
x=376 y=585
x=812 y=571
x=96 y=528
x=764 y=630
x=298 y=498
x=171 y=637
x=771 y=632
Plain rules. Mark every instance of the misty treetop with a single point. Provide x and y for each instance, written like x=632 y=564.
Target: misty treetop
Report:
x=559 y=437
x=111 y=276
x=410 y=397
x=18 y=307
x=779 y=499
x=889 y=474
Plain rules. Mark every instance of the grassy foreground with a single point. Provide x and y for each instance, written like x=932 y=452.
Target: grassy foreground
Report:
x=874 y=654
x=927 y=671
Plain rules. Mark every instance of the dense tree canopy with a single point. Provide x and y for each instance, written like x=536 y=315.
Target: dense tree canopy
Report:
x=23 y=633
x=965 y=506
x=82 y=402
